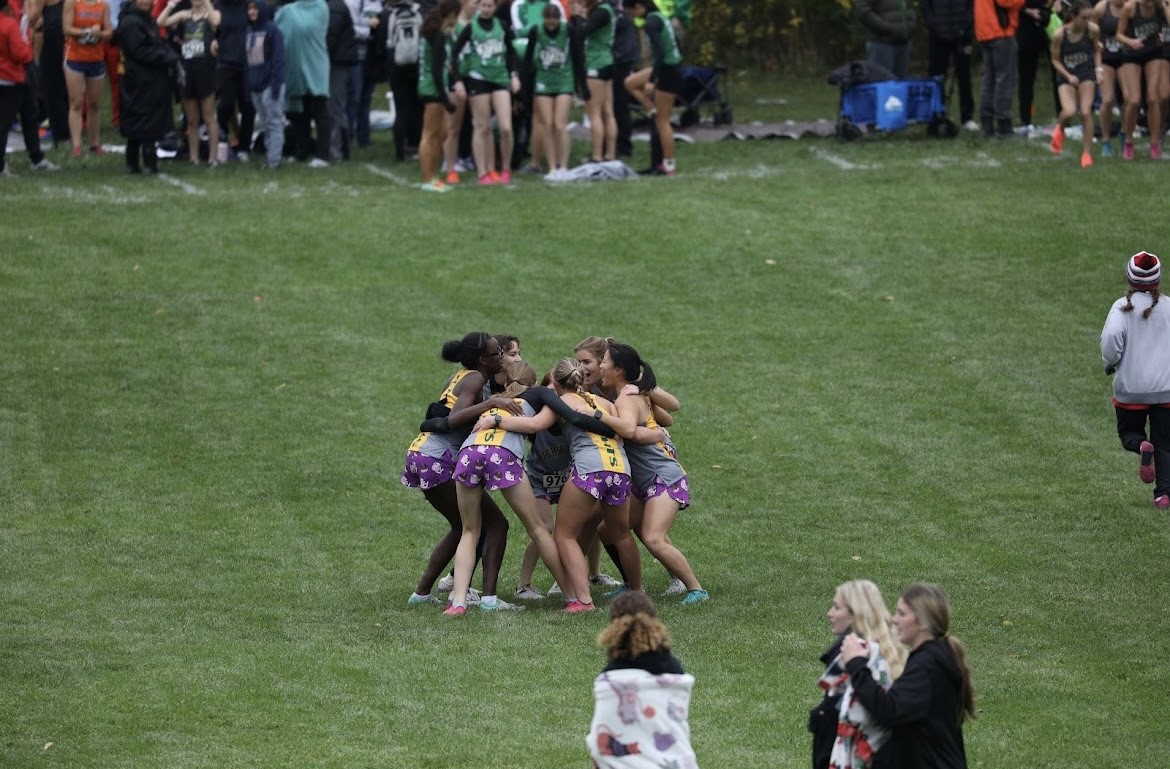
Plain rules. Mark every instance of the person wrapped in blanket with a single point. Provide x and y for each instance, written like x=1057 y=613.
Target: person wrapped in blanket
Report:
x=642 y=697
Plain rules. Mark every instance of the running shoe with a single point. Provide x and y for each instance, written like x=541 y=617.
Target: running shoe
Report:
x=676 y=587
x=433 y=186
x=662 y=170
x=1146 y=471
x=1086 y=160
x=97 y=149
x=455 y=611
x=487 y=180
x=604 y=580
x=576 y=607
x=499 y=604
x=46 y=165
x=1162 y=502
x=446 y=583
x=529 y=593
x=1127 y=151
x=554 y=590
x=616 y=591
x=472 y=595
x=506 y=176
x=1107 y=149
x=418 y=600
x=1057 y=140
x=453 y=177
x=1155 y=152
x=318 y=163
x=75 y=152
x=694 y=597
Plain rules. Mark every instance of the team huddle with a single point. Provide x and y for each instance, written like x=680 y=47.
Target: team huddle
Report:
x=597 y=448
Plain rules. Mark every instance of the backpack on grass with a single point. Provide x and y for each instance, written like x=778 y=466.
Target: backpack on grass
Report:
x=402 y=36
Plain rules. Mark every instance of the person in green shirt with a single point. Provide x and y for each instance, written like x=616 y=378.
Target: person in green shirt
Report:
x=593 y=26
x=489 y=81
x=656 y=86
x=547 y=57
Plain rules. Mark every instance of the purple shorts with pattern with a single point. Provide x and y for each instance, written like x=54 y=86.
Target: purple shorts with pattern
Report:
x=426 y=472
x=492 y=467
x=679 y=491
x=611 y=488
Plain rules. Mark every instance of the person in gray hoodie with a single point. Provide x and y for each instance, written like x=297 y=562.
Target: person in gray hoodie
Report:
x=264 y=78
x=888 y=26
x=1134 y=350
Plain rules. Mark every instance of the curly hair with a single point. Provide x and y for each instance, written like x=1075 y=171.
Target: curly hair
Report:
x=634 y=627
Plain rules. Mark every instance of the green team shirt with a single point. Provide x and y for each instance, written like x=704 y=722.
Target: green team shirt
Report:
x=426 y=78
x=599 y=45
x=486 y=60
x=459 y=25
x=667 y=43
x=554 y=71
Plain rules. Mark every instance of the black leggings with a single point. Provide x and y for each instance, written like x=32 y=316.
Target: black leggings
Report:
x=145 y=148
x=316 y=110
x=233 y=97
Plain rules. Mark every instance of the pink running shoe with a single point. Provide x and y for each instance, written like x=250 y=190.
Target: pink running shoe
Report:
x=576 y=607
x=1057 y=140
x=487 y=180
x=1127 y=151
x=1155 y=152
x=75 y=152
x=1162 y=502
x=1146 y=471
x=454 y=611
x=1086 y=160
x=506 y=176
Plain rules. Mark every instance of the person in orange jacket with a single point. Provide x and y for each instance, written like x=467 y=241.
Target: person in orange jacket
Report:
x=995 y=29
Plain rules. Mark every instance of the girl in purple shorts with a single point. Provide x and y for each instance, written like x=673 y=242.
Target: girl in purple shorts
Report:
x=598 y=483
x=430 y=462
x=660 y=483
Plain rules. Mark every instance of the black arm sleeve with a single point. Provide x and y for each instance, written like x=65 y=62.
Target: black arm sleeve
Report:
x=653 y=29
x=539 y=397
x=438 y=61
x=457 y=48
x=509 y=50
x=529 y=50
x=598 y=18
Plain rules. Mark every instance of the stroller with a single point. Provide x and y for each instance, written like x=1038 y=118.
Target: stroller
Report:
x=701 y=85
x=871 y=96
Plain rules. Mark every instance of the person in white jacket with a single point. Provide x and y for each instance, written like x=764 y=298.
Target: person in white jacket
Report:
x=1135 y=348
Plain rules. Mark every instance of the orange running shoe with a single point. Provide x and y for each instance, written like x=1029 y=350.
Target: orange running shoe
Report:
x=1057 y=140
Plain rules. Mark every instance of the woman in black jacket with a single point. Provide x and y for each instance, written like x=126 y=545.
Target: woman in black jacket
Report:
x=926 y=706
x=146 y=92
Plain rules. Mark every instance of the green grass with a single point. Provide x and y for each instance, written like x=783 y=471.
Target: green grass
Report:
x=887 y=357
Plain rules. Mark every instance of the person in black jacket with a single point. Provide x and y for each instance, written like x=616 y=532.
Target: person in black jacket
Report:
x=951 y=26
x=342 y=44
x=146 y=89
x=926 y=706
x=1032 y=41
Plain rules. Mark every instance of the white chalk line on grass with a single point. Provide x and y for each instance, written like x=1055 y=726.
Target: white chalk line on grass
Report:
x=385 y=174
x=186 y=187
x=107 y=195
x=842 y=163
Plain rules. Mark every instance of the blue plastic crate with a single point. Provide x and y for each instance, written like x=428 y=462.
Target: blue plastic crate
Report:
x=891 y=105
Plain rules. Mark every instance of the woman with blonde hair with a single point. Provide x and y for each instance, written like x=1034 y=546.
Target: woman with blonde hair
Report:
x=926 y=706
x=843 y=733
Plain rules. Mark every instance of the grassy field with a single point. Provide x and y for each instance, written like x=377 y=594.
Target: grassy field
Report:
x=887 y=357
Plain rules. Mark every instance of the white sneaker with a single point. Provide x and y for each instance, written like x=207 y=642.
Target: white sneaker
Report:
x=446 y=583
x=472 y=595
x=554 y=590
x=676 y=587
x=417 y=600
x=971 y=125
x=529 y=593
x=318 y=163
x=46 y=165
x=604 y=580
x=499 y=605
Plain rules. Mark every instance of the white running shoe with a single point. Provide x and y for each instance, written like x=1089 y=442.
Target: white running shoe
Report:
x=676 y=587
x=499 y=605
x=604 y=580
x=472 y=595
x=46 y=165
x=446 y=583
x=318 y=163
x=529 y=593
x=417 y=600
x=554 y=590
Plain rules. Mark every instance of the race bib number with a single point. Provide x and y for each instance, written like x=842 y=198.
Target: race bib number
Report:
x=554 y=482
x=193 y=49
